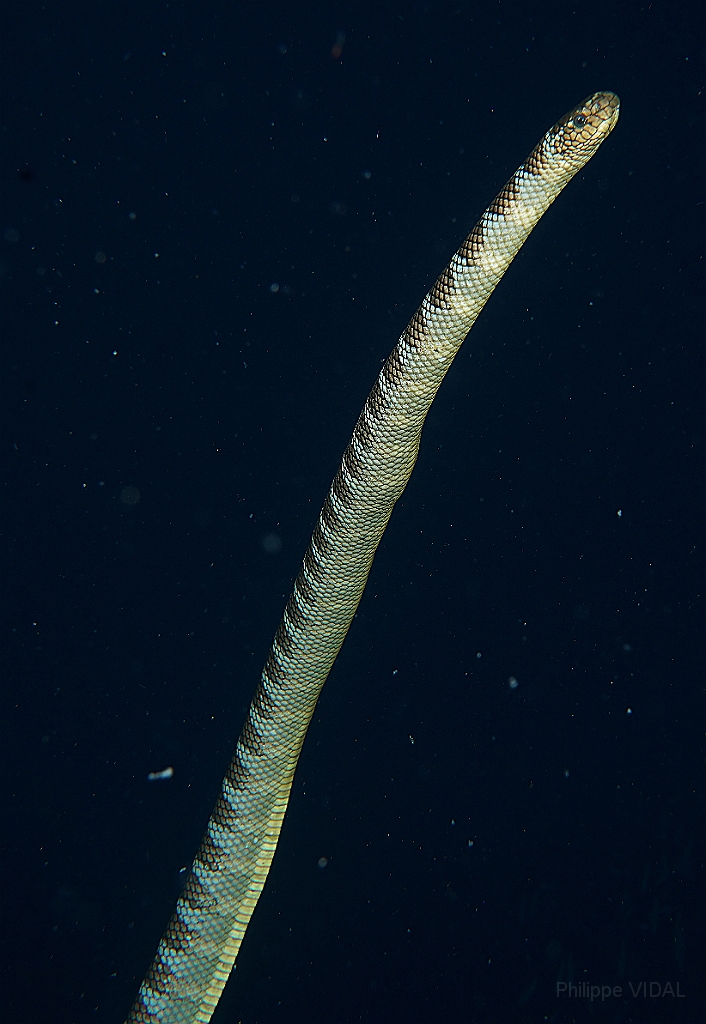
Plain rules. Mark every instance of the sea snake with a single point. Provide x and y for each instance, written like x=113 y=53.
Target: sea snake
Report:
x=198 y=949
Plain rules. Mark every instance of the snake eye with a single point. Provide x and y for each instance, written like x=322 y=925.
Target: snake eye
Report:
x=579 y=120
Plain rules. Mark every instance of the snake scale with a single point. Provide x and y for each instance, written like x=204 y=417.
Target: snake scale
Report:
x=197 y=952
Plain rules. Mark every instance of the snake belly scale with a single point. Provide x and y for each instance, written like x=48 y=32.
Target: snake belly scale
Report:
x=197 y=952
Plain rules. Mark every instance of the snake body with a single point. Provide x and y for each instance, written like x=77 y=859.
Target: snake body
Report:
x=197 y=952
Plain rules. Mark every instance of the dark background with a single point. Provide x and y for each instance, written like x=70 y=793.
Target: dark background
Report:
x=216 y=221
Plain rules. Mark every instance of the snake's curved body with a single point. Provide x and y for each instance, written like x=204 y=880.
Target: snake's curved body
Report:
x=199 y=947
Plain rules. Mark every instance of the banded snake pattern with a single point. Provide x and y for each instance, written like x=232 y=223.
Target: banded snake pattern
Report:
x=197 y=952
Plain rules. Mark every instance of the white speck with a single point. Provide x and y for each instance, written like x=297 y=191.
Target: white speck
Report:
x=166 y=773
x=512 y=683
x=619 y=513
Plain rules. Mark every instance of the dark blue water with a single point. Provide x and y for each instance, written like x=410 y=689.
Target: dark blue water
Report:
x=216 y=221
